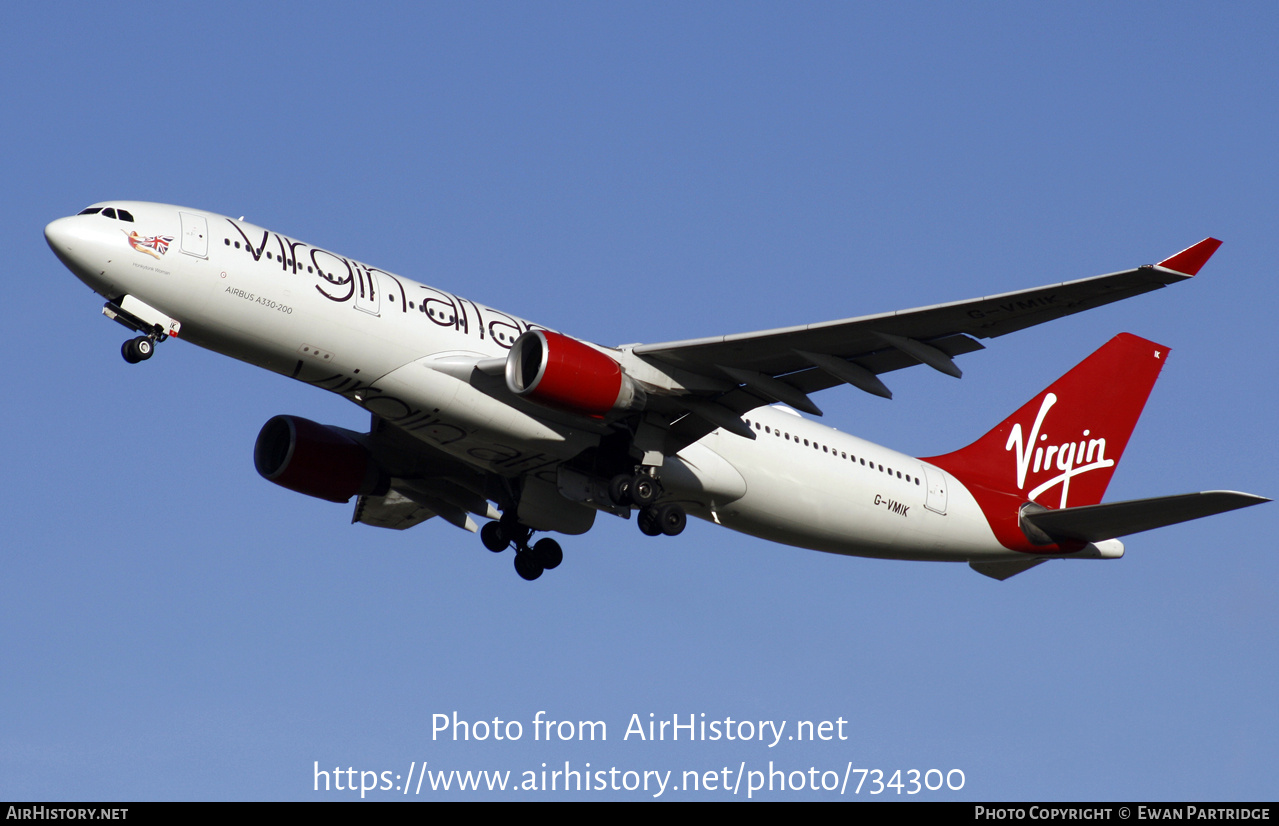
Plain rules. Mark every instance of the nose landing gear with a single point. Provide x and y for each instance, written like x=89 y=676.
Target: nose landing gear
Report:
x=138 y=349
x=153 y=325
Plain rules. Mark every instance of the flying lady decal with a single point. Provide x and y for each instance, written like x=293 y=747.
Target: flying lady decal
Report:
x=153 y=245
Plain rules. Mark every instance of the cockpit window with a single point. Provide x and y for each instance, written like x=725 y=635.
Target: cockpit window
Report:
x=108 y=212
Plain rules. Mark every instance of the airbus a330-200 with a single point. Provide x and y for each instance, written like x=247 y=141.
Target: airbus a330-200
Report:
x=480 y=414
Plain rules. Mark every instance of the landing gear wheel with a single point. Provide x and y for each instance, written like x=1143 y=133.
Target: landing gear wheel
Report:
x=548 y=552
x=137 y=349
x=515 y=532
x=619 y=489
x=671 y=519
x=494 y=538
x=643 y=490
x=648 y=522
x=527 y=566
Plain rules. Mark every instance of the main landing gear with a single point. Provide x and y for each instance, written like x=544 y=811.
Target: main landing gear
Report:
x=544 y=554
x=138 y=349
x=642 y=491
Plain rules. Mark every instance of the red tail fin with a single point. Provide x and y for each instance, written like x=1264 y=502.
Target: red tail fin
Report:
x=1061 y=448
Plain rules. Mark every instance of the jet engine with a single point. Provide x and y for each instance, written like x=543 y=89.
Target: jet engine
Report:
x=558 y=371
x=315 y=459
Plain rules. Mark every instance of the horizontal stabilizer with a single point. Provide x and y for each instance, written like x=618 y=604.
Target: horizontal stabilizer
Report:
x=1093 y=523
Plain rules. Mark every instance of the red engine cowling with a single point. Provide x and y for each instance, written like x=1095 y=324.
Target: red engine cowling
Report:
x=315 y=459
x=559 y=371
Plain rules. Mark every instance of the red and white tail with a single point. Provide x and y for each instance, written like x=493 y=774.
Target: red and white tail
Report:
x=1060 y=449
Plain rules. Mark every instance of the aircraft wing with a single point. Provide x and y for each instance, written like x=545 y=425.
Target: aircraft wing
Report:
x=787 y=363
x=875 y=341
x=423 y=483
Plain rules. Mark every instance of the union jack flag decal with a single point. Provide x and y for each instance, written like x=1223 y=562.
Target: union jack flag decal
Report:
x=153 y=245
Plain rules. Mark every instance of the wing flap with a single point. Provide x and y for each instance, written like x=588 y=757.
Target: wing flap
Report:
x=395 y=511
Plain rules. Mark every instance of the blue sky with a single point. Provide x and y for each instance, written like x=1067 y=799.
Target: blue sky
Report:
x=173 y=627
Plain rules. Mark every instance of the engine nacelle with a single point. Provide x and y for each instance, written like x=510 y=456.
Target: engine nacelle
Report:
x=315 y=459
x=559 y=371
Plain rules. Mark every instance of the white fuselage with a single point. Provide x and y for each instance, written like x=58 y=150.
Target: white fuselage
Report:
x=385 y=342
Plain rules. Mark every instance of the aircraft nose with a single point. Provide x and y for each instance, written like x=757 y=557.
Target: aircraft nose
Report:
x=60 y=235
x=77 y=243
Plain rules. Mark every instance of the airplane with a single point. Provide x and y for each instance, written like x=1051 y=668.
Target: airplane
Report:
x=479 y=413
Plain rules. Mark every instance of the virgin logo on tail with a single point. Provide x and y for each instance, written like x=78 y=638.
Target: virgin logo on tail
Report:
x=1072 y=458
x=1103 y=395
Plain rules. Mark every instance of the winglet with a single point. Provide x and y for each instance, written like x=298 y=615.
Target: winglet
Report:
x=1191 y=259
